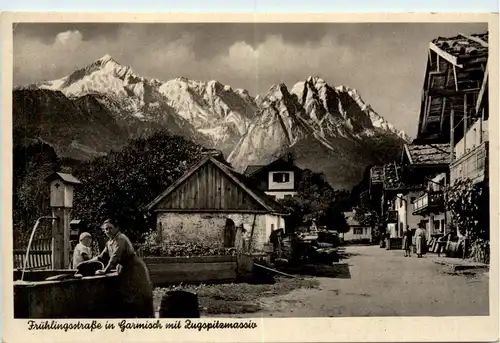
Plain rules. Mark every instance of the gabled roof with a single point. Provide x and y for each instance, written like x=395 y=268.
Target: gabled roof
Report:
x=252 y=169
x=263 y=199
x=428 y=154
x=255 y=169
x=453 y=49
x=68 y=178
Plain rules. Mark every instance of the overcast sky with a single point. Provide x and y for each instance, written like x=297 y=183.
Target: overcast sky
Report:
x=384 y=62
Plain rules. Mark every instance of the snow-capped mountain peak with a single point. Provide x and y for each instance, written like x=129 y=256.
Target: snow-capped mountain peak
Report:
x=312 y=117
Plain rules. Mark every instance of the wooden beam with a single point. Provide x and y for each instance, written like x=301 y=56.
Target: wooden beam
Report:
x=475 y=39
x=442 y=115
x=451 y=93
x=427 y=111
x=452 y=134
x=450 y=58
x=483 y=89
x=455 y=77
x=465 y=123
x=481 y=127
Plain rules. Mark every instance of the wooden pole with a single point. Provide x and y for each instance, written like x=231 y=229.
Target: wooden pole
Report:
x=452 y=134
x=481 y=126
x=250 y=245
x=465 y=120
x=60 y=238
x=455 y=77
x=442 y=115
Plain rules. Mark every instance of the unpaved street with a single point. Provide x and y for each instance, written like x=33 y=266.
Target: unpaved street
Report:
x=384 y=283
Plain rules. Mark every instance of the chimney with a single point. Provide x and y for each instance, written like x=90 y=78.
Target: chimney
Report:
x=289 y=158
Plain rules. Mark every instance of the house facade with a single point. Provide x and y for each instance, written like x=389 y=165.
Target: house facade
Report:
x=214 y=205
x=357 y=232
x=471 y=153
x=451 y=143
x=454 y=114
x=278 y=179
x=428 y=165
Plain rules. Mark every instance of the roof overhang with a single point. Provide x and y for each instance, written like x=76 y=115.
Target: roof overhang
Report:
x=448 y=57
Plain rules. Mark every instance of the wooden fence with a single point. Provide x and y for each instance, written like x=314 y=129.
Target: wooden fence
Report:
x=40 y=255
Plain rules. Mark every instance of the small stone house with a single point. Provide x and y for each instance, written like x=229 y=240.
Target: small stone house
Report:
x=357 y=231
x=214 y=205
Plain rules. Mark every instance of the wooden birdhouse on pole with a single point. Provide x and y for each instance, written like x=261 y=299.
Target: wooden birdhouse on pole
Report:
x=61 y=201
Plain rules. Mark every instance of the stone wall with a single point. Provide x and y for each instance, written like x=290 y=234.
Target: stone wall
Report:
x=208 y=228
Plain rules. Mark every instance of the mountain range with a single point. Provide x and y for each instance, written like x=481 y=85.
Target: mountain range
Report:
x=98 y=108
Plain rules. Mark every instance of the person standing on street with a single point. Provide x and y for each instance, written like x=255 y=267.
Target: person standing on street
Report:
x=407 y=236
x=420 y=240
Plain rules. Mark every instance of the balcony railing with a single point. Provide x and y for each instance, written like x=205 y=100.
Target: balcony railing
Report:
x=472 y=165
x=428 y=202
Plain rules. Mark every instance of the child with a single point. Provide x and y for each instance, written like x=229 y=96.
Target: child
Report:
x=83 y=250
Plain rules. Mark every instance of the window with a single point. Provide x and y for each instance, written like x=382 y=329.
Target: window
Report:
x=412 y=200
x=400 y=202
x=272 y=227
x=358 y=230
x=281 y=177
x=436 y=225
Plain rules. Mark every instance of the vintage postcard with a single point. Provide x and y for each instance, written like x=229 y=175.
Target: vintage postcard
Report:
x=250 y=177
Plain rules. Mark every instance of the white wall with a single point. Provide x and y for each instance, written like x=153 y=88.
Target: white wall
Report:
x=391 y=227
x=281 y=185
x=472 y=139
x=280 y=194
x=351 y=236
x=405 y=213
x=274 y=222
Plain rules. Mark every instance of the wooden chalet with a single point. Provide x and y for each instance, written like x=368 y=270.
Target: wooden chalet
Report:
x=455 y=72
x=214 y=205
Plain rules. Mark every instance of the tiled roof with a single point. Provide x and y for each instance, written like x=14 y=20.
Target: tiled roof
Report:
x=428 y=154
x=463 y=45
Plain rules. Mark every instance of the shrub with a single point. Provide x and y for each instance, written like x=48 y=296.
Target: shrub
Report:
x=155 y=246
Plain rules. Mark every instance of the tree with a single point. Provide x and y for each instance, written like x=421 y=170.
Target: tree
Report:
x=469 y=207
x=317 y=200
x=32 y=163
x=122 y=183
x=368 y=217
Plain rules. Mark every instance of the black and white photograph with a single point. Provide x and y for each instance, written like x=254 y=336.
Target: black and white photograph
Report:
x=251 y=169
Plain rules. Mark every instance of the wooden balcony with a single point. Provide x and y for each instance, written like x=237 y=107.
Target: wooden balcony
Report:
x=430 y=202
x=472 y=165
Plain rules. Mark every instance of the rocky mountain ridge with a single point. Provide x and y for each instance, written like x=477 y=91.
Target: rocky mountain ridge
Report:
x=329 y=129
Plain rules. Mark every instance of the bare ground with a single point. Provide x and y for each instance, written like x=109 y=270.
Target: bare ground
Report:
x=378 y=282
